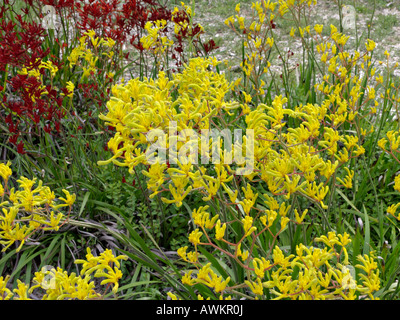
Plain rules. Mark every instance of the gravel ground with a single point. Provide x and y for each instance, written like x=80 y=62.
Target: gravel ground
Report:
x=385 y=26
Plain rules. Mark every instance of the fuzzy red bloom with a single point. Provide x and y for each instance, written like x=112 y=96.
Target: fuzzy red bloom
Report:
x=20 y=148
x=209 y=46
x=21 y=44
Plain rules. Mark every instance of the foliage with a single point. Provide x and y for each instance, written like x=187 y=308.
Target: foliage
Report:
x=279 y=182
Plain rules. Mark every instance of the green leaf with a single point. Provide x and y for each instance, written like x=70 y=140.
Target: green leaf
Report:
x=84 y=201
x=367 y=236
x=25 y=259
x=216 y=264
x=356 y=211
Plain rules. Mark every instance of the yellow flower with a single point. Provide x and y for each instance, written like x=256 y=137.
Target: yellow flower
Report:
x=318 y=28
x=329 y=240
x=178 y=194
x=108 y=258
x=237 y=8
x=381 y=143
x=5 y=293
x=109 y=43
x=397 y=183
x=195 y=236
x=229 y=21
x=74 y=56
x=201 y=218
x=248 y=225
x=256 y=287
x=94 y=40
x=299 y=219
x=284 y=222
x=182 y=252
x=370 y=45
x=172 y=296
x=5 y=171
x=260 y=266
x=392 y=210
x=49 y=66
x=347 y=182
x=241 y=22
x=89 y=263
x=54 y=221
x=219 y=231
x=279 y=258
x=21 y=291
x=333 y=30
x=70 y=87
x=112 y=276
x=193 y=256
x=69 y=199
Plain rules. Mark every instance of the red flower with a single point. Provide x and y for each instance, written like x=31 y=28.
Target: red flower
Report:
x=47 y=128
x=21 y=44
x=209 y=46
x=20 y=148
x=13 y=139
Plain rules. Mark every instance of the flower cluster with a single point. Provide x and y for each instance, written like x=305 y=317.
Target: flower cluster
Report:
x=40 y=72
x=146 y=26
x=288 y=161
x=258 y=40
x=26 y=98
x=84 y=58
x=312 y=273
x=165 y=44
x=393 y=138
x=28 y=210
x=293 y=152
x=57 y=284
x=256 y=162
